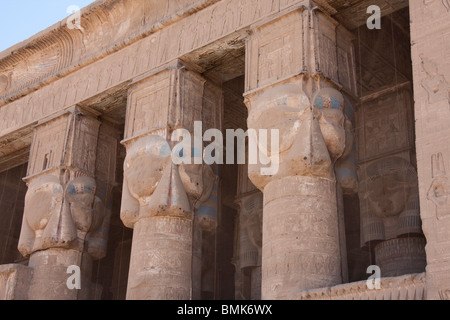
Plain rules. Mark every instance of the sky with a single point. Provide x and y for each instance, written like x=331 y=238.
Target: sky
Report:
x=21 y=19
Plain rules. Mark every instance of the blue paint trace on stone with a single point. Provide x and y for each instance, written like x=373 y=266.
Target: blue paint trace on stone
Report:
x=165 y=151
x=71 y=189
x=335 y=103
x=282 y=102
x=207 y=211
x=319 y=102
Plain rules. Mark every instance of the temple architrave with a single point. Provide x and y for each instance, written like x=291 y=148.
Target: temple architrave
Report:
x=94 y=207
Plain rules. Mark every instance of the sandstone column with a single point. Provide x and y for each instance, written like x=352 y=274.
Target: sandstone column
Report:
x=388 y=191
x=430 y=26
x=299 y=67
x=66 y=216
x=160 y=197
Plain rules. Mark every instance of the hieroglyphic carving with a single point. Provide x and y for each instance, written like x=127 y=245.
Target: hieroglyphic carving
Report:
x=274 y=55
x=314 y=137
x=29 y=67
x=409 y=287
x=159 y=195
x=64 y=206
x=48 y=146
x=384 y=126
x=154 y=49
x=435 y=84
x=51 y=142
x=439 y=190
x=149 y=106
x=172 y=99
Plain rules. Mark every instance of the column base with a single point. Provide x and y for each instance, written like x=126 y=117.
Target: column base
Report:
x=400 y=256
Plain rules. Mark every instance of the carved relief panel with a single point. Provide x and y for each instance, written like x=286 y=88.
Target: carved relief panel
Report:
x=282 y=48
x=278 y=53
x=171 y=99
x=53 y=140
x=65 y=207
x=384 y=125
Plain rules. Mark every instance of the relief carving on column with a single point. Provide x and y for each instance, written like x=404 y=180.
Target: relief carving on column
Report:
x=384 y=125
x=64 y=208
x=390 y=215
x=155 y=186
x=389 y=199
x=314 y=134
x=435 y=83
x=440 y=188
x=58 y=216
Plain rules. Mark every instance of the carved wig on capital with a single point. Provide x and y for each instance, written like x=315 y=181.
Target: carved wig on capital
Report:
x=58 y=216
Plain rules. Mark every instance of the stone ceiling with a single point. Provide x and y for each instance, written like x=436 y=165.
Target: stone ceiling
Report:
x=353 y=13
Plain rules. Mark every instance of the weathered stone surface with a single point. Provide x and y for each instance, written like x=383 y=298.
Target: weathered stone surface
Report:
x=140 y=57
x=409 y=287
x=401 y=256
x=14 y=281
x=139 y=70
x=157 y=193
x=429 y=24
x=300 y=247
x=66 y=215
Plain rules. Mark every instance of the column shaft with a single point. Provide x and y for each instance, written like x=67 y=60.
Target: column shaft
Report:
x=161 y=259
x=300 y=236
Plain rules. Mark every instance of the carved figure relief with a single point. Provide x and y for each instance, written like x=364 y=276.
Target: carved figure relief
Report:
x=384 y=126
x=61 y=216
x=389 y=199
x=440 y=187
x=435 y=84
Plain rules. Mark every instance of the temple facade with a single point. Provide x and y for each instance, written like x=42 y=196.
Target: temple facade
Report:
x=348 y=198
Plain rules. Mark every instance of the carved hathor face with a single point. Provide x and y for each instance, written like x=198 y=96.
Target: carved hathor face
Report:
x=387 y=186
x=144 y=168
x=312 y=136
x=144 y=165
x=388 y=195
